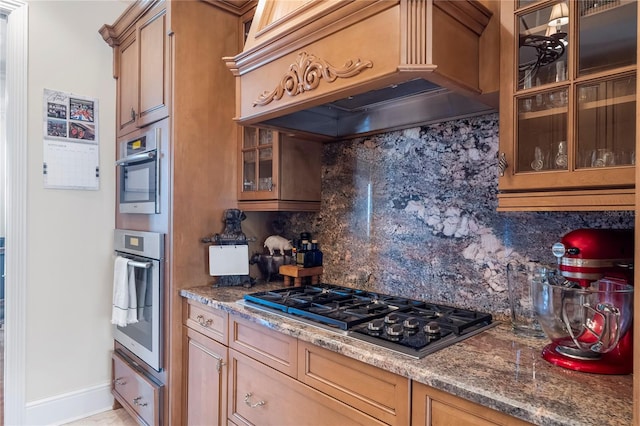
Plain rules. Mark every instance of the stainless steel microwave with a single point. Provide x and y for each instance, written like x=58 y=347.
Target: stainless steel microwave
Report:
x=139 y=174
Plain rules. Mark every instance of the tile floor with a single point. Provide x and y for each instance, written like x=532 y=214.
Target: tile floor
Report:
x=117 y=417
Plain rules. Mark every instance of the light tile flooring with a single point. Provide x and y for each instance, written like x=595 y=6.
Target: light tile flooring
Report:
x=117 y=417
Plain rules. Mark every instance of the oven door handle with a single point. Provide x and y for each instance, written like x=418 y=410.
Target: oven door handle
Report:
x=136 y=158
x=136 y=264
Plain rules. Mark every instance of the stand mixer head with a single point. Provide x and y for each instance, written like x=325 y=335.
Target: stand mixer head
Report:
x=586 y=307
x=586 y=255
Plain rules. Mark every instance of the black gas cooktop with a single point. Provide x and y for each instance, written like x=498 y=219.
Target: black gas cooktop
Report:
x=412 y=327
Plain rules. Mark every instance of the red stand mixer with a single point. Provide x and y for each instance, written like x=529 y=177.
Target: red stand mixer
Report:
x=586 y=306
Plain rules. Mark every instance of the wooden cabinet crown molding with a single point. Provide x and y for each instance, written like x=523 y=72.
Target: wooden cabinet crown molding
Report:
x=111 y=33
x=237 y=7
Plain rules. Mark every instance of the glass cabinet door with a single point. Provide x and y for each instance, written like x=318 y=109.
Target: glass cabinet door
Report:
x=543 y=46
x=606 y=106
x=575 y=112
x=257 y=160
x=606 y=124
x=607 y=35
x=542 y=129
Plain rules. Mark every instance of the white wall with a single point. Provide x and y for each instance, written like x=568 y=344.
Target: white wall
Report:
x=70 y=232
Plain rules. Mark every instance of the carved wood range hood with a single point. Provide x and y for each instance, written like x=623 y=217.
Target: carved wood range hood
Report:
x=340 y=68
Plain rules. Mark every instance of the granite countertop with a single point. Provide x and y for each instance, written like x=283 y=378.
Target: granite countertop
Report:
x=495 y=368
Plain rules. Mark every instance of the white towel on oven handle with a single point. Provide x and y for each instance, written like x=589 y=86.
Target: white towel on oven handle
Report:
x=123 y=287
x=132 y=312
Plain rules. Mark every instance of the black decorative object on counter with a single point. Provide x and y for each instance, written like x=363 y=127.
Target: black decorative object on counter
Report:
x=232 y=235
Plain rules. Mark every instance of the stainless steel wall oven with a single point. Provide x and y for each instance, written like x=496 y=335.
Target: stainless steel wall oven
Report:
x=139 y=174
x=145 y=254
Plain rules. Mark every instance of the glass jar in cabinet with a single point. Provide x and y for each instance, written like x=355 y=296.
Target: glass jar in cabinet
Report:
x=568 y=102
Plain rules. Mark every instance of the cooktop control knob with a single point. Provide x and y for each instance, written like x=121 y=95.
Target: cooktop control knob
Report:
x=432 y=327
x=395 y=330
x=376 y=325
x=392 y=318
x=411 y=323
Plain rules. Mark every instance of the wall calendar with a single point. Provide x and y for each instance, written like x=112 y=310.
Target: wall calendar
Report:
x=71 y=154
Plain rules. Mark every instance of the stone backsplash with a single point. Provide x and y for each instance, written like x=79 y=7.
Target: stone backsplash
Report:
x=413 y=213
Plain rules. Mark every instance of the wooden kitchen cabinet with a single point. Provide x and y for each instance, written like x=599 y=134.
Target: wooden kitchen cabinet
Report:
x=278 y=171
x=142 y=73
x=206 y=380
x=206 y=358
x=568 y=105
x=276 y=379
x=433 y=407
x=260 y=395
x=325 y=380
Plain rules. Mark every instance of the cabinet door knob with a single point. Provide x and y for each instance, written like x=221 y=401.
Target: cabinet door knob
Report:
x=219 y=365
x=119 y=381
x=133 y=114
x=203 y=322
x=502 y=164
x=247 y=400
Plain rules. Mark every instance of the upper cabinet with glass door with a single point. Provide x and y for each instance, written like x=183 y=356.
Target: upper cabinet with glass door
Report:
x=568 y=105
x=278 y=172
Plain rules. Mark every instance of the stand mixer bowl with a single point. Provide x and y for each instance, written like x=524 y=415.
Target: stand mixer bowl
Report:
x=584 y=324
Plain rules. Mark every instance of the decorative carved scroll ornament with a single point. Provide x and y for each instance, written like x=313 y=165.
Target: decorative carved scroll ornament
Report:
x=305 y=75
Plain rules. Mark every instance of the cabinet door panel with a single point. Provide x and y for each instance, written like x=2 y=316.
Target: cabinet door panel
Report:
x=206 y=386
x=127 y=89
x=153 y=102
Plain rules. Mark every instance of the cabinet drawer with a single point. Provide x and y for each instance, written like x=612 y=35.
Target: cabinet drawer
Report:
x=434 y=407
x=377 y=392
x=275 y=349
x=208 y=321
x=259 y=395
x=135 y=391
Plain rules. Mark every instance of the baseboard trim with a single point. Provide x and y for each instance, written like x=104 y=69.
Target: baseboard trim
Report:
x=70 y=407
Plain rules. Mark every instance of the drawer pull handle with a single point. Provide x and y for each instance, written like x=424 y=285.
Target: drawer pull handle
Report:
x=136 y=401
x=247 y=400
x=119 y=381
x=203 y=322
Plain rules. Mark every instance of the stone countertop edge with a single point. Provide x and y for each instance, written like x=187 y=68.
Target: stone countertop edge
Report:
x=495 y=368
